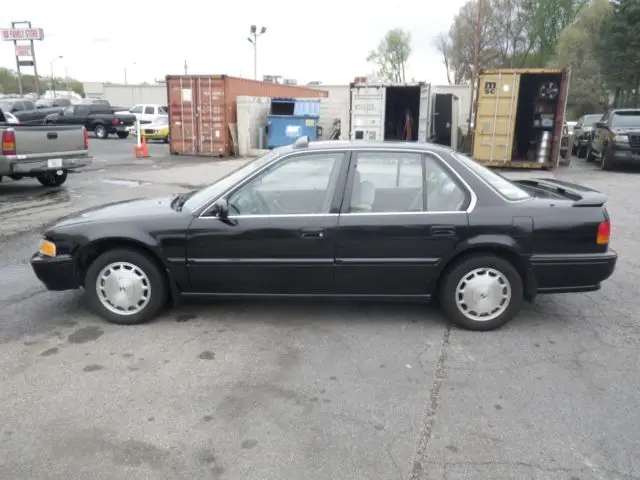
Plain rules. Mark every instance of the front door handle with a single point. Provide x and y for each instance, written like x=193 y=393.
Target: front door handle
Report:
x=312 y=232
x=443 y=231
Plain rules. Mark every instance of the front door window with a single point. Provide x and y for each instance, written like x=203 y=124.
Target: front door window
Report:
x=300 y=185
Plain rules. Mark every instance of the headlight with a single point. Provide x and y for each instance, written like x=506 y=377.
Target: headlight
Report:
x=621 y=139
x=47 y=248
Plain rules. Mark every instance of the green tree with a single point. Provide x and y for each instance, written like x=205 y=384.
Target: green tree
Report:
x=576 y=48
x=9 y=83
x=618 y=51
x=392 y=55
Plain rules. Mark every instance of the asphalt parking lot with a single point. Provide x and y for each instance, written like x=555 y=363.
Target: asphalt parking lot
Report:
x=257 y=390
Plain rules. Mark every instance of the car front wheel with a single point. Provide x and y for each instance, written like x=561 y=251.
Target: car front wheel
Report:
x=481 y=292
x=126 y=287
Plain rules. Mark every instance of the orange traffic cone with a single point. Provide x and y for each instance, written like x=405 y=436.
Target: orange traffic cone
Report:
x=141 y=150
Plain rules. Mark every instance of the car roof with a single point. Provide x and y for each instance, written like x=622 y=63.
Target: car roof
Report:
x=365 y=144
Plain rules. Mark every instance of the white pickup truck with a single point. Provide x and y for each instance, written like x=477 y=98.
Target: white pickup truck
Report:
x=44 y=152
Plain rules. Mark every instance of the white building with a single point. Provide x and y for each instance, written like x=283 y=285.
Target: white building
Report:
x=127 y=95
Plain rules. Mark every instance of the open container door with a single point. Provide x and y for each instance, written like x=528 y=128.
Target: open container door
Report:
x=561 y=111
x=495 y=118
x=455 y=108
x=424 y=112
x=367 y=111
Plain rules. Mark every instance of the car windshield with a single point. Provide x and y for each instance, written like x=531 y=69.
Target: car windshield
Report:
x=200 y=197
x=626 y=119
x=589 y=120
x=502 y=185
x=5 y=105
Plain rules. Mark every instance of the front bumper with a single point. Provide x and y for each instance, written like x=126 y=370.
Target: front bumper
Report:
x=21 y=167
x=572 y=273
x=625 y=155
x=57 y=273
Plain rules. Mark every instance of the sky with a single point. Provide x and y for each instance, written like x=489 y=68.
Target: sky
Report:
x=327 y=41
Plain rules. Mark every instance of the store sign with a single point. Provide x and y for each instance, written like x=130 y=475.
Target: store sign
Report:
x=23 y=50
x=15 y=34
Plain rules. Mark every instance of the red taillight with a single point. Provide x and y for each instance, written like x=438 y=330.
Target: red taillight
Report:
x=8 y=142
x=115 y=121
x=86 y=138
x=604 y=233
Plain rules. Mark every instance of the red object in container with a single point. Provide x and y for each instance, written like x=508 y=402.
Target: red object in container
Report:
x=201 y=107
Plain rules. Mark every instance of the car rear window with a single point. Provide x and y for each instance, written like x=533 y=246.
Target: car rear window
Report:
x=500 y=184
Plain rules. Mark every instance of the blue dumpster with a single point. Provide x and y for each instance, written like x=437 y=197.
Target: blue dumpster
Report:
x=290 y=119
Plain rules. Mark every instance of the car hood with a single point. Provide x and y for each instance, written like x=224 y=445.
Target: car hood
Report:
x=125 y=210
x=157 y=126
x=625 y=130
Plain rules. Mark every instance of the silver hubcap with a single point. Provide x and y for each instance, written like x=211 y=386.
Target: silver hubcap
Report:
x=123 y=288
x=483 y=294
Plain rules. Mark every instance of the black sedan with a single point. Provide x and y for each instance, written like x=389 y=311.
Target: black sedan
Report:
x=356 y=220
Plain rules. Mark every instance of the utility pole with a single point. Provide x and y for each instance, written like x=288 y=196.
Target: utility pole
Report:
x=186 y=67
x=476 y=63
x=253 y=32
x=53 y=81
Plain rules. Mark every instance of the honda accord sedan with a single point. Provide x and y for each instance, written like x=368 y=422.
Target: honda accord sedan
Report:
x=341 y=220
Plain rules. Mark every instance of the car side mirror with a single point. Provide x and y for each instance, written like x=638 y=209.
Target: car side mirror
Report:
x=220 y=209
x=14 y=110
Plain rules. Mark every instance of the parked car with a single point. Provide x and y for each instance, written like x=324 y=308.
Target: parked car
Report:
x=10 y=118
x=147 y=113
x=582 y=134
x=616 y=139
x=356 y=219
x=158 y=130
x=26 y=111
x=565 y=158
x=44 y=152
x=95 y=118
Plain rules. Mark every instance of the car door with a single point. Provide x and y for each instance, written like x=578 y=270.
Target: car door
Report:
x=279 y=236
x=403 y=213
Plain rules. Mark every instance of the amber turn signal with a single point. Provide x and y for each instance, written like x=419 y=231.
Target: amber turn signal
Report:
x=47 y=248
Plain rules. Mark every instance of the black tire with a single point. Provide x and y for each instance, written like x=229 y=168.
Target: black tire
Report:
x=448 y=291
x=123 y=135
x=607 y=162
x=52 y=179
x=581 y=152
x=589 y=155
x=101 y=132
x=157 y=281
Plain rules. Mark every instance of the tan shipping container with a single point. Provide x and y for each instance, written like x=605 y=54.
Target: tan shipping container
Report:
x=511 y=113
x=201 y=107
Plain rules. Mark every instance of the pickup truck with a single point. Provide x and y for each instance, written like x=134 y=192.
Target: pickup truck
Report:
x=26 y=111
x=616 y=139
x=95 y=118
x=44 y=152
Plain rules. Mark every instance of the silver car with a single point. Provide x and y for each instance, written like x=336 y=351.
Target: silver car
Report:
x=582 y=134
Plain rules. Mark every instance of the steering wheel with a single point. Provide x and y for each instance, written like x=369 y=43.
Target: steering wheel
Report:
x=249 y=202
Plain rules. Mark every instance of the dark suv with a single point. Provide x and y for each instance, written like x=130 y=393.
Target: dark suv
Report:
x=616 y=138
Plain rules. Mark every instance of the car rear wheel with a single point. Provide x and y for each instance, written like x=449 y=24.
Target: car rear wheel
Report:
x=123 y=135
x=52 y=179
x=589 y=155
x=125 y=287
x=101 y=132
x=481 y=292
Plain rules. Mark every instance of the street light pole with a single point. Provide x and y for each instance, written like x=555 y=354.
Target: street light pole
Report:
x=53 y=81
x=125 y=73
x=253 y=32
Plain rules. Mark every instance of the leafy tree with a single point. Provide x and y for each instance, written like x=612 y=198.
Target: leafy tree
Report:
x=618 y=51
x=392 y=55
x=9 y=83
x=577 y=49
x=513 y=33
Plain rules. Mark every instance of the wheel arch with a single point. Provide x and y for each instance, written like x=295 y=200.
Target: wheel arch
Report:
x=90 y=251
x=506 y=249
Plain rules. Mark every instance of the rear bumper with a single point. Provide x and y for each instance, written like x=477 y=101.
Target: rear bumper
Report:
x=57 y=274
x=19 y=166
x=572 y=273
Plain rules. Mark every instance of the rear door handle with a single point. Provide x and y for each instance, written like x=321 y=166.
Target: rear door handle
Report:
x=312 y=232
x=443 y=231
x=52 y=135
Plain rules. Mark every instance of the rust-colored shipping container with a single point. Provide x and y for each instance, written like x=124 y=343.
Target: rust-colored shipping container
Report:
x=201 y=107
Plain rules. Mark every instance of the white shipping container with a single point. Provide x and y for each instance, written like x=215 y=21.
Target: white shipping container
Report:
x=378 y=110
x=463 y=92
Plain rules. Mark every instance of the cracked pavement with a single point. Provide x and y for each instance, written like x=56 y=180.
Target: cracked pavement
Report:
x=313 y=390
